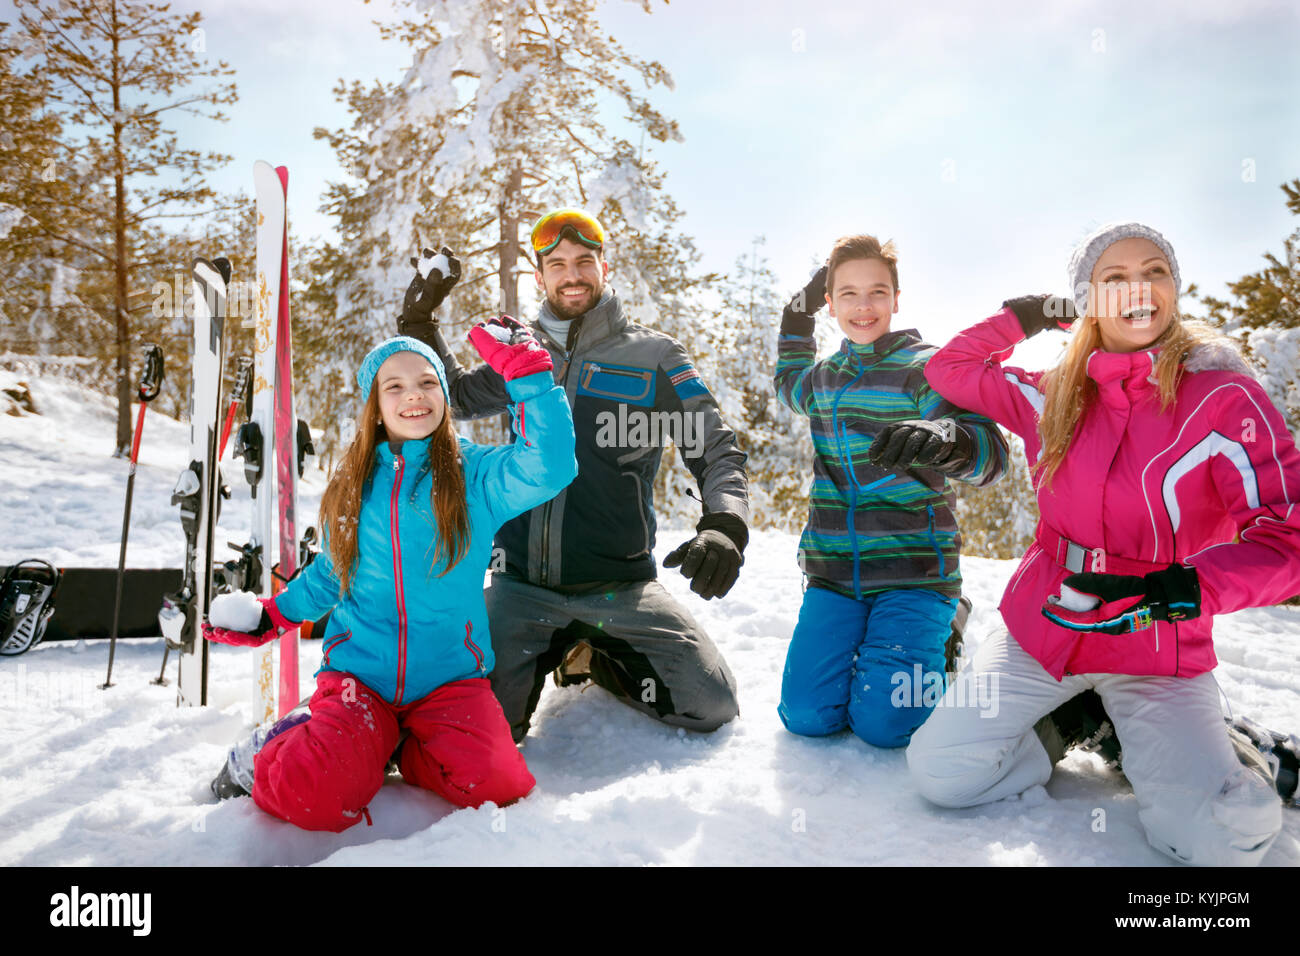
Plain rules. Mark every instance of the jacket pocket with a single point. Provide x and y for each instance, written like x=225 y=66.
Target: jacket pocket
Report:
x=620 y=383
x=334 y=643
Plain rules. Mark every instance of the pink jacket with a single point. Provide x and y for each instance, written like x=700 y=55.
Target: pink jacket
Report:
x=1213 y=482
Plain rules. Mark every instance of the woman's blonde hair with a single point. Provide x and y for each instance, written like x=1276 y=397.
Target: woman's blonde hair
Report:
x=340 y=506
x=1068 y=391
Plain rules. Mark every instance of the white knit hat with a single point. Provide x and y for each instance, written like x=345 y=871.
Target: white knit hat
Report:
x=1090 y=249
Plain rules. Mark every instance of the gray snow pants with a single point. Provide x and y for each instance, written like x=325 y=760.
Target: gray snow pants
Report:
x=640 y=645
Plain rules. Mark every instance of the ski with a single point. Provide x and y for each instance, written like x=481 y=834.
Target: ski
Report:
x=287 y=456
x=256 y=442
x=198 y=488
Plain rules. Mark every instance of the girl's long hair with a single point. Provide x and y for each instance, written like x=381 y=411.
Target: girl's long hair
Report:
x=1068 y=391
x=340 y=506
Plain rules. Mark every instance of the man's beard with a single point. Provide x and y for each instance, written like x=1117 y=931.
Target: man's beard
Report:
x=564 y=309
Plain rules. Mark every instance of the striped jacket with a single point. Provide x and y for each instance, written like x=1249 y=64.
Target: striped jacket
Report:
x=869 y=528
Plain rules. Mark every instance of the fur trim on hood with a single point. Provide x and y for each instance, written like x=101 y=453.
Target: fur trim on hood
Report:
x=1221 y=356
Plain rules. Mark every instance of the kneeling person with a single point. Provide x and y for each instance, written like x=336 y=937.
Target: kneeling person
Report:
x=881 y=546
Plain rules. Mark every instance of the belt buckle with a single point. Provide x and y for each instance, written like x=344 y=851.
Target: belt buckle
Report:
x=1074 y=556
x=1079 y=559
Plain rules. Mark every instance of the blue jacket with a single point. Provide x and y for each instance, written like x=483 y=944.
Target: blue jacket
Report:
x=402 y=630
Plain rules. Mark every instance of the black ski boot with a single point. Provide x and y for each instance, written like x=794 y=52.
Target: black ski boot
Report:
x=956 y=642
x=1274 y=754
x=1080 y=722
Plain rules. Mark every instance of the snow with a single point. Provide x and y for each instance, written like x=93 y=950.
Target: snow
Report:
x=239 y=611
x=119 y=777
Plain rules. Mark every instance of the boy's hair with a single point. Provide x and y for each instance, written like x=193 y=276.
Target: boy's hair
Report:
x=861 y=247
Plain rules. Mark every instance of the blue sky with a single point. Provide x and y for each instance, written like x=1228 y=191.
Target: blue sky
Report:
x=986 y=139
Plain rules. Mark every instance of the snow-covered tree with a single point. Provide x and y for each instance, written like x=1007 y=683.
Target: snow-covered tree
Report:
x=998 y=521
x=739 y=362
x=506 y=110
x=1264 y=314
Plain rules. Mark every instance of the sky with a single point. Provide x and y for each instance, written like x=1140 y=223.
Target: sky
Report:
x=985 y=139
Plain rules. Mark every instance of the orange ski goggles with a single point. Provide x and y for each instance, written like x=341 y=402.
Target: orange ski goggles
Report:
x=574 y=223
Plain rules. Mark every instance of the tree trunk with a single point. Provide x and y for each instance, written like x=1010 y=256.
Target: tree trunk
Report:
x=508 y=254
x=122 y=320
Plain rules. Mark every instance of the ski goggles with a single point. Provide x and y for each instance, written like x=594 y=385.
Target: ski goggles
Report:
x=575 y=223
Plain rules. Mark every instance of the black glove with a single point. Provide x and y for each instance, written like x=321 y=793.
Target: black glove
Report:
x=712 y=559
x=1130 y=603
x=1037 y=313
x=797 y=319
x=426 y=292
x=942 y=445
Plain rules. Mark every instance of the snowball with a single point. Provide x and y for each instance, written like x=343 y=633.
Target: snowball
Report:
x=1076 y=601
x=428 y=264
x=238 y=611
x=499 y=332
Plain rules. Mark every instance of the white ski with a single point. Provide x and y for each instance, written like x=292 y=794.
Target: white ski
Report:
x=199 y=485
x=270 y=252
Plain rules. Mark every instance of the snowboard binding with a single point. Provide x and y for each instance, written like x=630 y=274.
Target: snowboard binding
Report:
x=26 y=604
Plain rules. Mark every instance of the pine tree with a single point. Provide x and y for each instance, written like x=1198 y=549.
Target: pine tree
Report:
x=116 y=69
x=500 y=117
x=739 y=365
x=38 y=293
x=998 y=520
x=1264 y=314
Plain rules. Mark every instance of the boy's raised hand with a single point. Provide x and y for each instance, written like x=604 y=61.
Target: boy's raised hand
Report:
x=510 y=347
x=797 y=319
x=942 y=445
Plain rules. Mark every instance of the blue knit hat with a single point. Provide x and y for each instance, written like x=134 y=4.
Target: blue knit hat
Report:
x=399 y=343
x=1090 y=249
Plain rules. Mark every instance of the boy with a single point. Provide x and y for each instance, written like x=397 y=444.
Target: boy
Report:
x=880 y=550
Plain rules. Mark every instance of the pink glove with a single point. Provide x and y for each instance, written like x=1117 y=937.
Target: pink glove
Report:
x=510 y=348
x=244 y=620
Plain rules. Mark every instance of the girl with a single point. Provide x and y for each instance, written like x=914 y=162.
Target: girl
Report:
x=409 y=518
x=1166 y=483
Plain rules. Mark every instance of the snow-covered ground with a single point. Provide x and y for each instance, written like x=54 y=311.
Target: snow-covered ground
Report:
x=119 y=777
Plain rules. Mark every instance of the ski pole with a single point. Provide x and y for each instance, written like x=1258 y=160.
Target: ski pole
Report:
x=150 y=384
x=239 y=395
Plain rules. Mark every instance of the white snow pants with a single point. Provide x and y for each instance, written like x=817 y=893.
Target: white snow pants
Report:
x=1196 y=801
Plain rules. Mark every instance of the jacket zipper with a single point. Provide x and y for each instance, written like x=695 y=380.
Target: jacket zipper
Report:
x=472 y=647
x=546 y=508
x=847 y=464
x=397 y=578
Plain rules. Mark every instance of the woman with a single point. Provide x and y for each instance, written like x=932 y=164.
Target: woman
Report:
x=1166 y=484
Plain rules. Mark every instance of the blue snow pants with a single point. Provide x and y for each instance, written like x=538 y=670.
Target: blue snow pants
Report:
x=857 y=664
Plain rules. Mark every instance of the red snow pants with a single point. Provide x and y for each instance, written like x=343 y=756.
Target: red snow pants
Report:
x=321 y=774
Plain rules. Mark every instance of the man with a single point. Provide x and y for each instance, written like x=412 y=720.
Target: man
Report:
x=574 y=589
